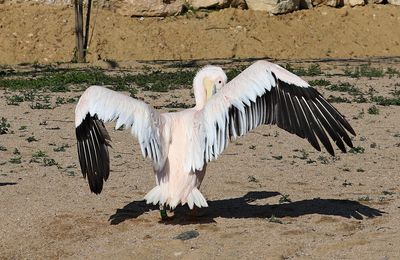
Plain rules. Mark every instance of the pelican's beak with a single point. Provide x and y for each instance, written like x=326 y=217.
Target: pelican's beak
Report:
x=210 y=87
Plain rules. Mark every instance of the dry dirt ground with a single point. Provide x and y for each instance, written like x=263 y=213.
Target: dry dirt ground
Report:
x=270 y=194
x=343 y=207
x=31 y=33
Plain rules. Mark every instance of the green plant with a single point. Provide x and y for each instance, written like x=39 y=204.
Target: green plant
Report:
x=39 y=154
x=252 y=147
x=364 y=198
x=62 y=100
x=251 y=178
x=384 y=101
x=274 y=219
x=312 y=70
x=357 y=149
x=335 y=99
x=391 y=72
x=61 y=148
x=373 y=110
x=323 y=159
x=345 y=87
x=15 y=160
x=31 y=139
x=4 y=126
x=14 y=100
x=284 y=199
x=49 y=162
x=304 y=154
x=319 y=82
x=364 y=70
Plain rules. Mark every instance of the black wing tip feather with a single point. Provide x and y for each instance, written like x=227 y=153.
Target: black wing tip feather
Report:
x=307 y=118
x=92 y=142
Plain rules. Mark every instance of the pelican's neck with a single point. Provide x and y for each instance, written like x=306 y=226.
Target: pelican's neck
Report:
x=200 y=95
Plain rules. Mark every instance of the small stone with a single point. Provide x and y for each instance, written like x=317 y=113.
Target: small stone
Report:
x=274 y=6
x=141 y=8
x=187 y=235
x=354 y=2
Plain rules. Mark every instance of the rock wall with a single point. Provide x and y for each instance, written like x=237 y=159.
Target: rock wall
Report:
x=141 y=8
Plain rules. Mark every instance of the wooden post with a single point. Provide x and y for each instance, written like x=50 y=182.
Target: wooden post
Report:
x=87 y=26
x=80 y=56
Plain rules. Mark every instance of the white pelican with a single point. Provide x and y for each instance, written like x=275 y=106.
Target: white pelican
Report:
x=181 y=144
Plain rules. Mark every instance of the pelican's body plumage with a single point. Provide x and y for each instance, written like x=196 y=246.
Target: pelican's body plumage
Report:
x=181 y=144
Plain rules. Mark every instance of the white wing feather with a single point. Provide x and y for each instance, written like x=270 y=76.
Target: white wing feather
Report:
x=109 y=105
x=244 y=94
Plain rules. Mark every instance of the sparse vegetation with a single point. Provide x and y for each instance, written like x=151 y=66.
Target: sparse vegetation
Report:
x=392 y=72
x=357 y=149
x=312 y=70
x=39 y=154
x=364 y=70
x=61 y=81
x=364 y=198
x=385 y=101
x=62 y=100
x=4 y=126
x=345 y=87
x=319 y=82
x=251 y=178
x=284 y=199
x=176 y=104
x=15 y=160
x=31 y=139
x=336 y=99
x=274 y=219
x=323 y=159
x=14 y=100
x=304 y=154
x=252 y=147
x=373 y=110
x=49 y=162
x=61 y=148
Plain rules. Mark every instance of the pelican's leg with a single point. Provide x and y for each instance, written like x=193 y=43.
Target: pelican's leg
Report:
x=194 y=212
x=163 y=212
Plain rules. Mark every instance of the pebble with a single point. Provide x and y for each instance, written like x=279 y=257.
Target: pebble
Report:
x=187 y=235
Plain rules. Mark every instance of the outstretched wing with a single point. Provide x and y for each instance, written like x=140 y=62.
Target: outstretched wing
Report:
x=98 y=105
x=265 y=93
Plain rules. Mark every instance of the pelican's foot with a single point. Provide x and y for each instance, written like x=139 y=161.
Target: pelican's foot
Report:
x=163 y=213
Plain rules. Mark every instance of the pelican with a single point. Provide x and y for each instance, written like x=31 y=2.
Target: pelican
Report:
x=180 y=144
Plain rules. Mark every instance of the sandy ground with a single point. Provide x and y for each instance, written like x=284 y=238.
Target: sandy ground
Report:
x=43 y=34
x=343 y=207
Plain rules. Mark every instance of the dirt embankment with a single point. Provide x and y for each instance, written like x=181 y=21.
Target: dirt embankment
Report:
x=32 y=33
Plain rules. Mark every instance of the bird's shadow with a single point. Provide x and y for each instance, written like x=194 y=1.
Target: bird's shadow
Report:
x=244 y=207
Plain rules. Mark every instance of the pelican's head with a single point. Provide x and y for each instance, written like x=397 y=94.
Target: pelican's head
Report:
x=208 y=81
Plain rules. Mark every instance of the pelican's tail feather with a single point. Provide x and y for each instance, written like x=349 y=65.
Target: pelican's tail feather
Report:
x=196 y=198
x=153 y=196
x=156 y=196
